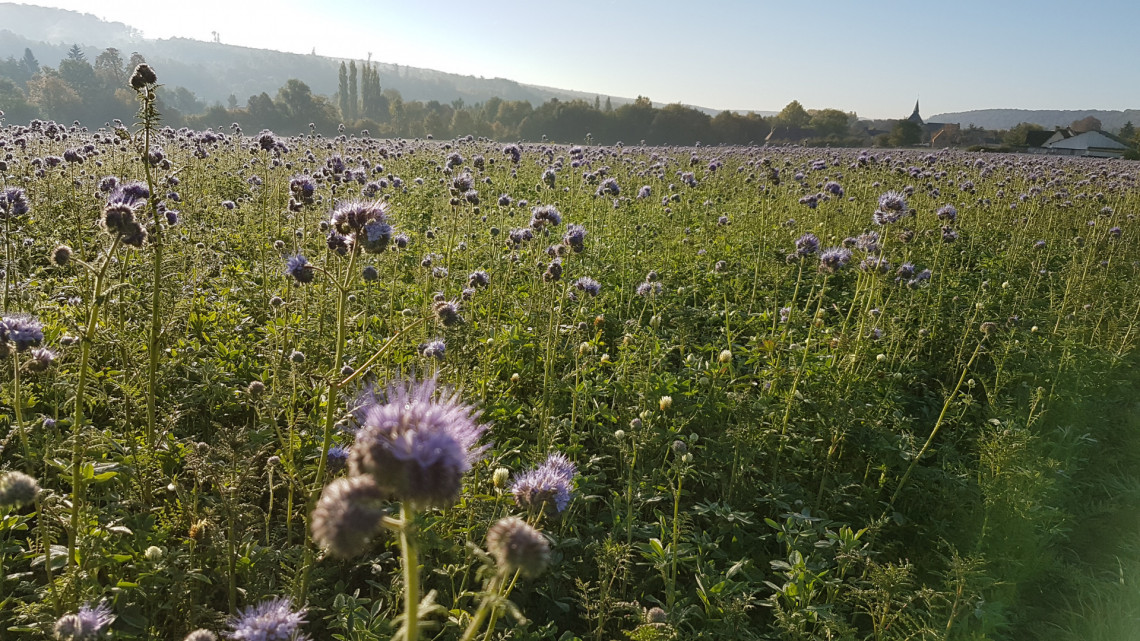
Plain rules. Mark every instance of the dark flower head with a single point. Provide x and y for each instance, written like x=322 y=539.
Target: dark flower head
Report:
x=947 y=212
x=543 y=215
x=347 y=515
x=436 y=349
x=375 y=236
x=415 y=444
x=832 y=260
x=575 y=237
x=545 y=488
x=609 y=187
x=370 y=273
x=478 y=278
x=299 y=268
x=271 y=620
x=13 y=203
x=24 y=331
x=833 y=188
x=892 y=207
x=131 y=194
x=518 y=547
x=807 y=244
x=948 y=234
x=588 y=285
x=351 y=217
x=143 y=75
x=868 y=242
x=41 y=361
x=88 y=623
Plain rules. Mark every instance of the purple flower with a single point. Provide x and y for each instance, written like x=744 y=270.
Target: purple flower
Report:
x=947 y=213
x=575 y=237
x=270 y=620
x=542 y=215
x=609 y=187
x=644 y=192
x=833 y=188
x=588 y=285
x=87 y=623
x=547 y=486
x=415 y=445
x=478 y=278
x=13 y=203
x=436 y=349
x=807 y=244
x=299 y=268
x=831 y=260
x=892 y=206
x=25 y=332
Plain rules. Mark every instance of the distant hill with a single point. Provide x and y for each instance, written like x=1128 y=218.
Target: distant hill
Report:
x=214 y=71
x=1048 y=118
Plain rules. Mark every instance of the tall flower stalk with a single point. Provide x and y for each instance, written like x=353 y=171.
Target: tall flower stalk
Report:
x=143 y=81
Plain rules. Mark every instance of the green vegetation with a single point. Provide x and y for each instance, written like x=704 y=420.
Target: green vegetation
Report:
x=819 y=393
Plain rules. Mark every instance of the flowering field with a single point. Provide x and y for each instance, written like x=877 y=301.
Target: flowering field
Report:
x=351 y=388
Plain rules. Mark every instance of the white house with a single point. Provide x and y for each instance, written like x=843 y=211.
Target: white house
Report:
x=1090 y=143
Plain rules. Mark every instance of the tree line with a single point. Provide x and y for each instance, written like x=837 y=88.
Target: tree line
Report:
x=96 y=92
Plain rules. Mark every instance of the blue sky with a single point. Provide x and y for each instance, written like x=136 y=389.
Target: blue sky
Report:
x=871 y=57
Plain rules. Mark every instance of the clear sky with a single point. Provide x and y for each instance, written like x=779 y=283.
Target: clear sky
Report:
x=871 y=57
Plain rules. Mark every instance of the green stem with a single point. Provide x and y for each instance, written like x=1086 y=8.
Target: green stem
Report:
x=80 y=388
x=411 y=573
x=485 y=607
x=937 y=425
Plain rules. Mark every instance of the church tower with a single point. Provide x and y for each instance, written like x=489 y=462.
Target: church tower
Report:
x=914 y=117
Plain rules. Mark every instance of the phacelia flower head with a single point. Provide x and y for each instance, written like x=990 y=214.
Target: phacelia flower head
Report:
x=347 y=515
x=86 y=624
x=271 y=620
x=543 y=215
x=13 y=203
x=436 y=349
x=546 y=488
x=416 y=444
x=833 y=259
x=299 y=268
x=518 y=547
x=143 y=75
x=23 y=331
x=575 y=238
x=807 y=244
x=447 y=312
x=947 y=212
x=892 y=207
x=609 y=187
x=588 y=285
x=17 y=489
x=478 y=278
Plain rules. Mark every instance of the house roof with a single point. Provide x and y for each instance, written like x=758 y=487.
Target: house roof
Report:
x=1037 y=138
x=1088 y=140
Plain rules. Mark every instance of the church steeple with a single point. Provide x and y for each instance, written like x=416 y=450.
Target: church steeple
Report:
x=914 y=117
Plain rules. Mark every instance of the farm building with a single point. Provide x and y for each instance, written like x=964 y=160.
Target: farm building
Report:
x=1065 y=142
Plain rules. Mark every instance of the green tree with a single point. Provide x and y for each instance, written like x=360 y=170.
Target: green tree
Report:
x=905 y=133
x=353 y=98
x=1128 y=132
x=1088 y=123
x=76 y=54
x=109 y=68
x=793 y=115
x=342 y=91
x=31 y=65
x=830 y=123
x=1016 y=136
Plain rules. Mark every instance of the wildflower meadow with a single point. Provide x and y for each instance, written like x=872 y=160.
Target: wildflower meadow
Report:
x=275 y=388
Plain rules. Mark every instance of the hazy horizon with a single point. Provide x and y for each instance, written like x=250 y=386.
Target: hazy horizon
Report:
x=872 y=59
